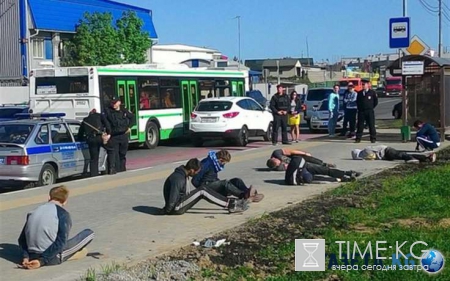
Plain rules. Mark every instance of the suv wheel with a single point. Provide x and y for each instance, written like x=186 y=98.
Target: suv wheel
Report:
x=242 y=139
x=268 y=134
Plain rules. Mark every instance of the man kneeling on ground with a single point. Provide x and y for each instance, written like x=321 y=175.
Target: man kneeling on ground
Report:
x=299 y=172
x=43 y=240
x=208 y=177
x=280 y=158
x=382 y=152
x=178 y=199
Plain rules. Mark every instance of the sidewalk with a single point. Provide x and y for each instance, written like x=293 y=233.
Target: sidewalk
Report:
x=123 y=209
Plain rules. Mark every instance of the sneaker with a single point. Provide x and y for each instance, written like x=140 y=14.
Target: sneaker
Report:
x=331 y=136
x=296 y=141
x=238 y=206
x=274 y=144
x=354 y=174
x=373 y=141
x=357 y=140
x=432 y=157
x=287 y=143
x=413 y=161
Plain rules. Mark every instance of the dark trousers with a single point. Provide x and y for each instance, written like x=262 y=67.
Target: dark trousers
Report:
x=235 y=187
x=426 y=143
x=369 y=117
x=94 y=144
x=349 y=121
x=391 y=154
x=315 y=169
x=198 y=194
x=280 y=121
x=73 y=245
x=117 y=153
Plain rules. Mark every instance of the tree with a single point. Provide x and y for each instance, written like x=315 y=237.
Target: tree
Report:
x=134 y=42
x=98 y=41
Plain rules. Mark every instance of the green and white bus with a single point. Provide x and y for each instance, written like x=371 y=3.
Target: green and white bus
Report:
x=161 y=97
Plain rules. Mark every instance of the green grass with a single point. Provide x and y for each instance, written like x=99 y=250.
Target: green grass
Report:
x=389 y=123
x=386 y=214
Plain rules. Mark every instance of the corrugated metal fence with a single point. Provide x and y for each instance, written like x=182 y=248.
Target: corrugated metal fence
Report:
x=10 y=57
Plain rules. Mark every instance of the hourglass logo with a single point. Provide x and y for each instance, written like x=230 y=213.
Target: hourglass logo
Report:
x=309 y=254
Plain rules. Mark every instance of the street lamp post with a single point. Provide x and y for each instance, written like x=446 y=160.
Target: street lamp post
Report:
x=239 y=40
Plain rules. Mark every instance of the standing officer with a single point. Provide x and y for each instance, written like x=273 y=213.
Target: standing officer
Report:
x=279 y=104
x=121 y=121
x=92 y=130
x=366 y=102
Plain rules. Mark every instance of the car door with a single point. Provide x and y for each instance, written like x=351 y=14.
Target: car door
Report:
x=82 y=152
x=64 y=149
x=259 y=114
x=248 y=114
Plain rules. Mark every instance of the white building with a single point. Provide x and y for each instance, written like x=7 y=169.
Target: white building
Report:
x=190 y=55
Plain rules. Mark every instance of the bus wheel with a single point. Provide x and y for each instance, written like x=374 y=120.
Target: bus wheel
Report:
x=47 y=175
x=152 y=135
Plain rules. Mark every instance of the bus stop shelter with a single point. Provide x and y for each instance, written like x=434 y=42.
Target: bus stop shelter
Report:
x=426 y=97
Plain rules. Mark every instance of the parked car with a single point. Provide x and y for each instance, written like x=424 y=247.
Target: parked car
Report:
x=258 y=97
x=42 y=148
x=320 y=116
x=7 y=112
x=397 y=110
x=313 y=98
x=381 y=92
x=233 y=119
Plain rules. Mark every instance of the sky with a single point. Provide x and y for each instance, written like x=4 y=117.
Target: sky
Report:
x=281 y=28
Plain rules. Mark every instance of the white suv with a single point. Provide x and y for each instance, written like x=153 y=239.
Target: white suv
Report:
x=233 y=119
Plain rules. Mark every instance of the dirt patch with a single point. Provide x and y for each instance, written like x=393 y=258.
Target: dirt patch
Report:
x=414 y=222
x=444 y=223
x=364 y=229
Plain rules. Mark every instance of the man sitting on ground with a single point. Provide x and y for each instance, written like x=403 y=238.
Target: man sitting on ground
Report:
x=299 y=172
x=382 y=152
x=208 y=177
x=44 y=238
x=280 y=158
x=427 y=137
x=178 y=200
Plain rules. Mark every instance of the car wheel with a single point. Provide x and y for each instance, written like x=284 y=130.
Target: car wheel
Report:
x=242 y=139
x=198 y=142
x=151 y=135
x=47 y=176
x=268 y=134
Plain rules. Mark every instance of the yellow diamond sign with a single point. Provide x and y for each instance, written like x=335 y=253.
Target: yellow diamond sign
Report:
x=416 y=47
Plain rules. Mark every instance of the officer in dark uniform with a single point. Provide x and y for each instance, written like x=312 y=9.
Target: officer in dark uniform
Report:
x=91 y=130
x=366 y=102
x=121 y=121
x=279 y=104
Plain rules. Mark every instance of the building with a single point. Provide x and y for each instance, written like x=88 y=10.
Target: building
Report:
x=284 y=68
x=190 y=55
x=34 y=31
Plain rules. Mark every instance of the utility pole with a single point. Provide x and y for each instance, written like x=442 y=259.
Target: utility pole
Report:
x=239 y=40
x=278 y=72
x=440 y=29
x=307 y=50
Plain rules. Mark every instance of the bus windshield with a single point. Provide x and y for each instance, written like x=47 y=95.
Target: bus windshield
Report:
x=393 y=82
x=62 y=85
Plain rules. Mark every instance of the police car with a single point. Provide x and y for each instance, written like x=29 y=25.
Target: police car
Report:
x=42 y=148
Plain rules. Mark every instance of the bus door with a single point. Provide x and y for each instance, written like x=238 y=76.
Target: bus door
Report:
x=128 y=96
x=237 y=89
x=189 y=93
x=241 y=89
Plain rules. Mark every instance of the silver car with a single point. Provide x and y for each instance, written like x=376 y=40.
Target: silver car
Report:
x=43 y=150
x=320 y=116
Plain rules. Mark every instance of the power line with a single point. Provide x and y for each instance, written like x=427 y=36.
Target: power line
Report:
x=429 y=7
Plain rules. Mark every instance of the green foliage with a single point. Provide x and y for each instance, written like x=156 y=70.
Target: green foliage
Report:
x=98 y=41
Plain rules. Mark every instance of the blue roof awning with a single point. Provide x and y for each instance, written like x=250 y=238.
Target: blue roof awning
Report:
x=254 y=73
x=64 y=15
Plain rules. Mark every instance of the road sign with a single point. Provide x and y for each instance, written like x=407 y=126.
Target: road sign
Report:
x=412 y=68
x=416 y=47
x=399 y=33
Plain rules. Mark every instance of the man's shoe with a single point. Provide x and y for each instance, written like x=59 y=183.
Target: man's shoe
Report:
x=239 y=206
x=274 y=144
x=373 y=141
x=413 y=161
x=357 y=140
x=432 y=157
x=287 y=143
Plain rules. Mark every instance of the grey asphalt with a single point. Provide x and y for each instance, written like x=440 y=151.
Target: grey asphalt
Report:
x=123 y=209
x=384 y=108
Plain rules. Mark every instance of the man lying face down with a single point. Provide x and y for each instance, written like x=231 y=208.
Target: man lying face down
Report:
x=382 y=152
x=299 y=172
x=280 y=158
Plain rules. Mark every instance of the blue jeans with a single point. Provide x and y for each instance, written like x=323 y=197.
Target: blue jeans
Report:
x=332 y=124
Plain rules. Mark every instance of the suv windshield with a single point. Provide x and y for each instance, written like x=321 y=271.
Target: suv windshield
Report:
x=318 y=94
x=394 y=82
x=10 y=112
x=15 y=133
x=214 y=106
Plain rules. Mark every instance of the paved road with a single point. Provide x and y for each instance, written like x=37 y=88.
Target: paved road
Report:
x=122 y=209
x=384 y=108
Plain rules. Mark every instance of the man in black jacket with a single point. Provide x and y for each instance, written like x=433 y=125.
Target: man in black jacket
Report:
x=91 y=130
x=121 y=121
x=366 y=102
x=178 y=200
x=279 y=104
